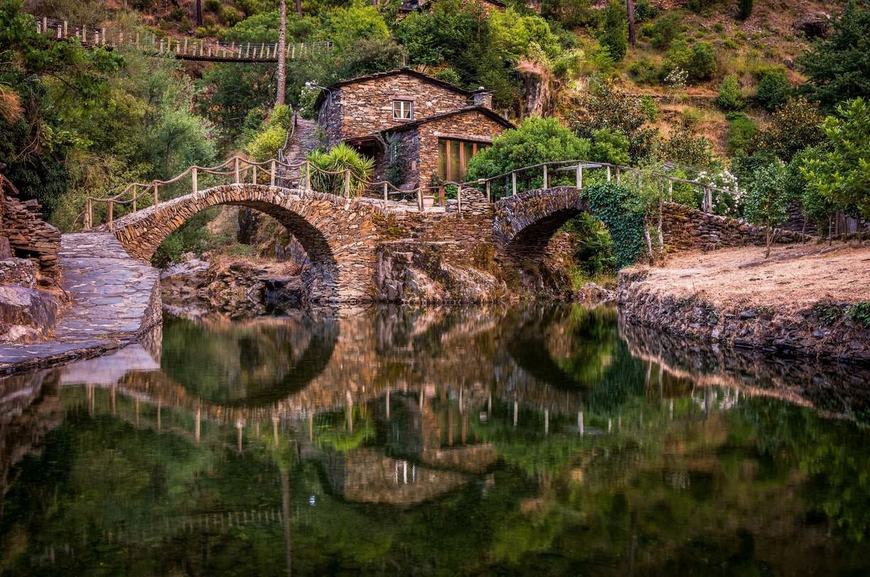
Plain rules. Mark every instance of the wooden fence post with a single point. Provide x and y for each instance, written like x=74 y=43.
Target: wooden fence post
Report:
x=307 y=176
x=420 y=199
x=347 y=182
x=608 y=173
x=254 y=177
x=386 y=191
x=236 y=161
x=488 y=191
x=546 y=177
x=618 y=173
x=156 y=195
x=272 y=173
x=65 y=29
x=89 y=213
x=194 y=181
x=514 y=182
x=111 y=211
x=135 y=197
x=579 y=176
x=670 y=190
x=459 y=197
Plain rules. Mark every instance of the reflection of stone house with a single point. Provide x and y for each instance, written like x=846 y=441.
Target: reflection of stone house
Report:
x=417 y=128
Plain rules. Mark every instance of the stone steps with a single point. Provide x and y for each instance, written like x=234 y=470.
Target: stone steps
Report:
x=114 y=300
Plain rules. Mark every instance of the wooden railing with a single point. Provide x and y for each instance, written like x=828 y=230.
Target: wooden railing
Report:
x=343 y=183
x=579 y=173
x=185 y=48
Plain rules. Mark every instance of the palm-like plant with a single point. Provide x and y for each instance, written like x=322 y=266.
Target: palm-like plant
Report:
x=328 y=170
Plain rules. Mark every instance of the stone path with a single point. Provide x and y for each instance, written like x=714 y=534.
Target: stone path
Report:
x=115 y=299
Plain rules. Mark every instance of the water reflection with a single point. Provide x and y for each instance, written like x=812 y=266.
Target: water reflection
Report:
x=530 y=441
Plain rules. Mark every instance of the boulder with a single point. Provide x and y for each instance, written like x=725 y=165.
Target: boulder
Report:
x=26 y=314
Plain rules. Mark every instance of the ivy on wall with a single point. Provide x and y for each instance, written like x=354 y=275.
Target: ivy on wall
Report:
x=617 y=208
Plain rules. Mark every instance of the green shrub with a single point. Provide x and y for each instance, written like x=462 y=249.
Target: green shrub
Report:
x=860 y=313
x=773 y=89
x=610 y=145
x=617 y=207
x=644 y=71
x=686 y=149
x=700 y=5
x=744 y=9
x=697 y=60
x=793 y=127
x=741 y=132
x=644 y=11
x=615 y=33
x=593 y=252
x=650 y=108
x=665 y=30
x=337 y=161
x=730 y=96
x=534 y=141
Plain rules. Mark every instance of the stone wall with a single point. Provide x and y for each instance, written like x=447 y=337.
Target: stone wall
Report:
x=468 y=125
x=363 y=107
x=30 y=237
x=687 y=228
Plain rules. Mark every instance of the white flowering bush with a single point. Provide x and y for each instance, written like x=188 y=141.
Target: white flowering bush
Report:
x=725 y=196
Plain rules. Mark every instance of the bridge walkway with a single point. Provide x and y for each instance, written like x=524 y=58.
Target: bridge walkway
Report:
x=114 y=300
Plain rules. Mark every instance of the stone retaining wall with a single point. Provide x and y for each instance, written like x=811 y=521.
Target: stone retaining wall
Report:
x=804 y=332
x=687 y=228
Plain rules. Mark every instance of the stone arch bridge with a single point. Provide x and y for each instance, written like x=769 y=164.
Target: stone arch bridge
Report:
x=345 y=238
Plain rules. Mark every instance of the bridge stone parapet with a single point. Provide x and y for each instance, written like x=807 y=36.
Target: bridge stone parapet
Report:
x=339 y=235
x=525 y=222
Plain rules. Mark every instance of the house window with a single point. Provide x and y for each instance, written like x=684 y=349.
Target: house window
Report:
x=453 y=157
x=403 y=109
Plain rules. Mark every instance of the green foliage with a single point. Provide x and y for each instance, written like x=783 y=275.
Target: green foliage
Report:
x=594 y=249
x=328 y=174
x=841 y=170
x=534 y=141
x=860 y=313
x=793 y=127
x=644 y=71
x=744 y=9
x=700 y=5
x=730 y=95
x=615 y=33
x=616 y=206
x=665 y=30
x=604 y=106
x=569 y=13
x=766 y=200
x=698 y=60
x=644 y=11
x=686 y=149
x=839 y=67
x=773 y=89
x=610 y=146
x=264 y=144
x=741 y=133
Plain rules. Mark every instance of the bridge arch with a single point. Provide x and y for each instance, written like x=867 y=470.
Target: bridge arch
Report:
x=524 y=223
x=331 y=229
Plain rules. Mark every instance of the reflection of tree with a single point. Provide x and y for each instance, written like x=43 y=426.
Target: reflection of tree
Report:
x=343 y=432
x=251 y=364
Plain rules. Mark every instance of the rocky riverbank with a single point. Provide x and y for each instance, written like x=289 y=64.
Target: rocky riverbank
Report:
x=808 y=300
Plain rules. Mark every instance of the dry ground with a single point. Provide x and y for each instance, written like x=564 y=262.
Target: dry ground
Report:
x=793 y=278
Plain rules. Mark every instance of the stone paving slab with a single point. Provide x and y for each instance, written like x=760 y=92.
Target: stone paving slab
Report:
x=112 y=304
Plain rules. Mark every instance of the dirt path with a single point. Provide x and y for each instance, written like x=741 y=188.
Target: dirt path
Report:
x=794 y=277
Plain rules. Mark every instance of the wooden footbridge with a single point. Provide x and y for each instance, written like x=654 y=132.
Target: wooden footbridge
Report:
x=183 y=48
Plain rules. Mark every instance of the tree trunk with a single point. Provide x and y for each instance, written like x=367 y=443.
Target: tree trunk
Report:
x=299 y=7
x=632 y=25
x=198 y=10
x=282 y=54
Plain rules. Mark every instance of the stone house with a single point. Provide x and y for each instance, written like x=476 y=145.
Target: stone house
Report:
x=420 y=131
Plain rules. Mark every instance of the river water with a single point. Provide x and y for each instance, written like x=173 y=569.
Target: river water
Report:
x=472 y=441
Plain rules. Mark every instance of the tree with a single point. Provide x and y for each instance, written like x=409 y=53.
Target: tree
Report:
x=730 y=96
x=773 y=89
x=632 y=25
x=282 y=54
x=839 y=67
x=841 y=170
x=793 y=127
x=615 y=33
x=535 y=141
x=767 y=201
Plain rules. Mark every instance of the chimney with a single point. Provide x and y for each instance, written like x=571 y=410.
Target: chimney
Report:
x=482 y=97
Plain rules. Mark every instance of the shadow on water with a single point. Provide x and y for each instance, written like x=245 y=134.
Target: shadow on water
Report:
x=467 y=441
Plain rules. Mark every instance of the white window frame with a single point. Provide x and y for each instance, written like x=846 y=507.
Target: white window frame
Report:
x=404 y=107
